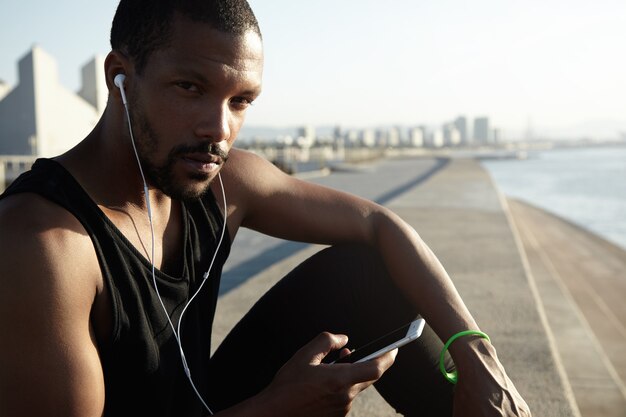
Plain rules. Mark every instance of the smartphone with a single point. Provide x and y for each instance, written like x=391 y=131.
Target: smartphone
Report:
x=386 y=343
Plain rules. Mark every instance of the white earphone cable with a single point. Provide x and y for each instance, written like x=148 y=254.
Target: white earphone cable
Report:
x=175 y=331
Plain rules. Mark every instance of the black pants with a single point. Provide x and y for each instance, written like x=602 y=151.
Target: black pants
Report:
x=342 y=289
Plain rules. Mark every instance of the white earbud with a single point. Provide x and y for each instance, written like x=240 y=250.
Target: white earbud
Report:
x=119 y=83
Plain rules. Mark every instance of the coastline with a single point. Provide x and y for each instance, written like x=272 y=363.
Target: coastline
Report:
x=580 y=229
x=581 y=185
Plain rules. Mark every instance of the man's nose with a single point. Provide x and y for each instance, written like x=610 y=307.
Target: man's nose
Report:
x=214 y=124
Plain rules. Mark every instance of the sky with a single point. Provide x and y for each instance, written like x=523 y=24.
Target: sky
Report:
x=552 y=67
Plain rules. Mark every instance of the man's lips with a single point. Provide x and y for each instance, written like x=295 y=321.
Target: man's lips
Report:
x=203 y=158
x=205 y=163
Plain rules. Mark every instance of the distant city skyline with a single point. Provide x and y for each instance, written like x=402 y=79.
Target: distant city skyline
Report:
x=551 y=68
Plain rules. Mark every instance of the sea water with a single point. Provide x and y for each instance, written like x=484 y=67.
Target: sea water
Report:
x=586 y=186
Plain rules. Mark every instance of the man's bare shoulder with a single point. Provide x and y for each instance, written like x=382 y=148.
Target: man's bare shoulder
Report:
x=40 y=240
x=26 y=213
x=243 y=163
x=251 y=183
x=254 y=173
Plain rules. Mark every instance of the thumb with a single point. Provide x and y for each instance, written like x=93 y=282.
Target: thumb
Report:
x=317 y=349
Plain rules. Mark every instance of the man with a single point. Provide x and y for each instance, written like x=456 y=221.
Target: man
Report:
x=110 y=257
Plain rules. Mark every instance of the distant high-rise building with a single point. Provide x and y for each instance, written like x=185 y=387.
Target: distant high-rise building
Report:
x=306 y=136
x=368 y=138
x=496 y=135
x=393 y=137
x=481 y=130
x=416 y=137
x=337 y=133
x=382 y=136
x=461 y=125
x=425 y=137
x=451 y=135
x=437 y=138
x=352 y=137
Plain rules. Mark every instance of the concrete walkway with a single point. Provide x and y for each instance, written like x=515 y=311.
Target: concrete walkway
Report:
x=581 y=280
x=461 y=215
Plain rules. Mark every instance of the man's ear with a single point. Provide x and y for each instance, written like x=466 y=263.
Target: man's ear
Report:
x=115 y=63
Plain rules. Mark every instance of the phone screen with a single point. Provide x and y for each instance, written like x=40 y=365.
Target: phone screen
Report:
x=386 y=343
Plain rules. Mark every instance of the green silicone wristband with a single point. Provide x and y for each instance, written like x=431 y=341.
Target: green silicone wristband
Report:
x=454 y=376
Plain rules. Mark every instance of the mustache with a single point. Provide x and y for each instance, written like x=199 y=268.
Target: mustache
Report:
x=202 y=147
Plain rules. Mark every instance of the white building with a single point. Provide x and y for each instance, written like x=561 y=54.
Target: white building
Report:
x=461 y=125
x=368 y=138
x=451 y=135
x=437 y=138
x=40 y=117
x=306 y=136
x=393 y=137
x=416 y=137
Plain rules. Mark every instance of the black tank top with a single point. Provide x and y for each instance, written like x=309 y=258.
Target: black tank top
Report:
x=142 y=366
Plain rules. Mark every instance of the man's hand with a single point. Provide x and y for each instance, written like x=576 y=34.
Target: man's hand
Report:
x=305 y=386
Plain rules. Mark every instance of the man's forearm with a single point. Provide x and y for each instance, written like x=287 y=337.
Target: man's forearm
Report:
x=422 y=278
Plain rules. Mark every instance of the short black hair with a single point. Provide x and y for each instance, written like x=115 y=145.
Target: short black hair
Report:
x=140 y=27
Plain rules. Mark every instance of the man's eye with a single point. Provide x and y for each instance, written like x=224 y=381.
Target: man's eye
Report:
x=185 y=85
x=241 y=102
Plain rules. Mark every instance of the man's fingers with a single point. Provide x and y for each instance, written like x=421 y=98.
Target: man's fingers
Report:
x=369 y=374
x=370 y=371
x=344 y=352
x=317 y=349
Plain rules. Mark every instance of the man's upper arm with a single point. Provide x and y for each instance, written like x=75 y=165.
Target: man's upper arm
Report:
x=49 y=363
x=277 y=204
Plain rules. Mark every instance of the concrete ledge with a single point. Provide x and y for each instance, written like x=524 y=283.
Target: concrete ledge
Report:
x=580 y=280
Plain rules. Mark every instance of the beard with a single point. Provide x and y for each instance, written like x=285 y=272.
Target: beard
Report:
x=162 y=175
